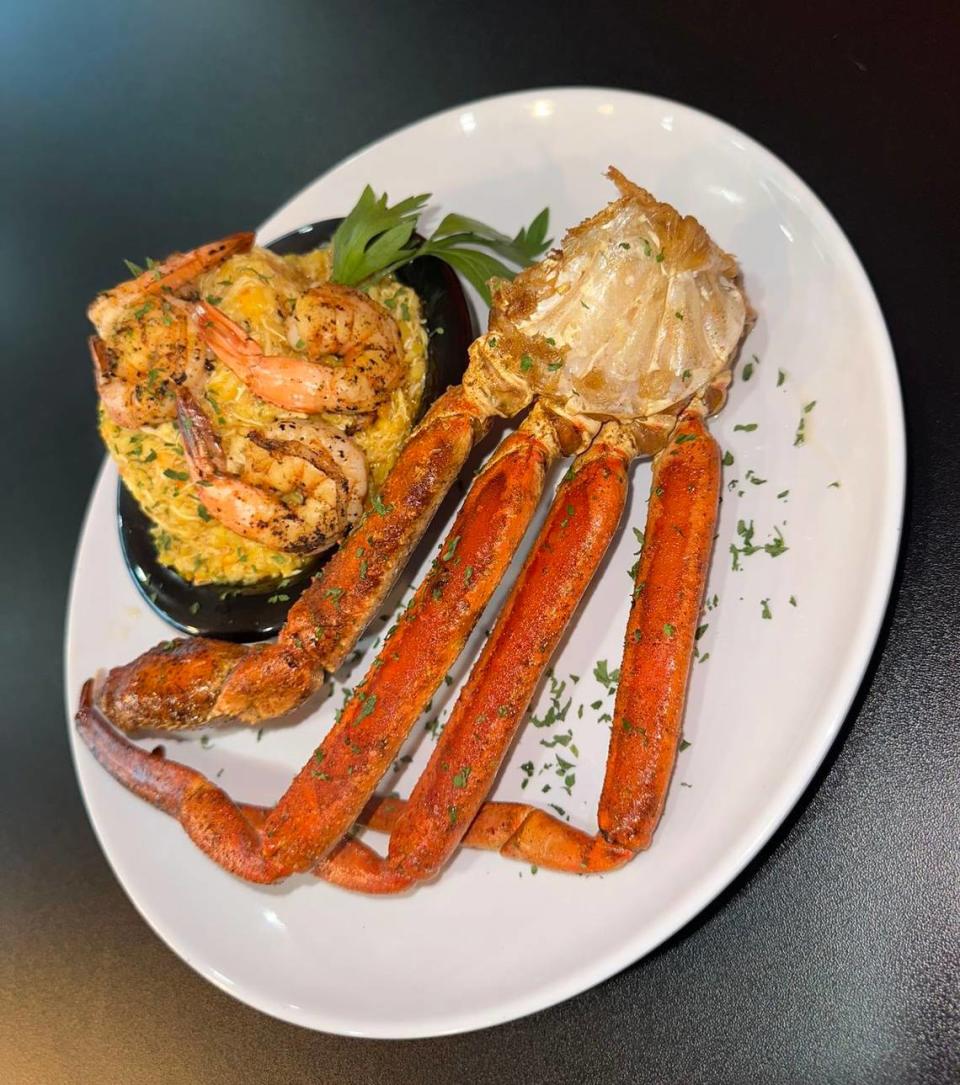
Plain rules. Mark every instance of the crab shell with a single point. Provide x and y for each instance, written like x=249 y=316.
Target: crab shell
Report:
x=634 y=314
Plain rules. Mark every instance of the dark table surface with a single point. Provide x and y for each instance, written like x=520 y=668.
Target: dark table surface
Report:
x=133 y=128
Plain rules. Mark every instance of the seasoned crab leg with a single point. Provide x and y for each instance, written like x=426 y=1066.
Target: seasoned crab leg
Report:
x=669 y=586
x=188 y=683
x=451 y=790
x=448 y=799
x=329 y=793
x=231 y=833
x=515 y=829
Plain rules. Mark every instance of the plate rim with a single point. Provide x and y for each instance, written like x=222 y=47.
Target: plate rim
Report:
x=780 y=802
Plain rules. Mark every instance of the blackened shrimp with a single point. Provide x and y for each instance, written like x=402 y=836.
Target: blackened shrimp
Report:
x=346 y=352
x=299 y=489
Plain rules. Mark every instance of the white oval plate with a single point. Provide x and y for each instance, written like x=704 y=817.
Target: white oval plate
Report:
x=490 y=941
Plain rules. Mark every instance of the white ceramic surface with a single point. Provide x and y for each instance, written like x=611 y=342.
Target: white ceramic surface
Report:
x=490 y=940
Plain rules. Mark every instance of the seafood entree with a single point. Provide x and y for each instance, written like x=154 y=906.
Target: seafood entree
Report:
x=617 y=345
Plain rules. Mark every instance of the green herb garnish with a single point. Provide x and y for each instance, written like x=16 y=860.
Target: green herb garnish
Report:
x=375 y=239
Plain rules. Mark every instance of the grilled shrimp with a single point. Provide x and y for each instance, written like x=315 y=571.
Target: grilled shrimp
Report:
x=146 y=346
x=300 y=486
x=346 y=352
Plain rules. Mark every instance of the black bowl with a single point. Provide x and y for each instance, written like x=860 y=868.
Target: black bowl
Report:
x=257 y=611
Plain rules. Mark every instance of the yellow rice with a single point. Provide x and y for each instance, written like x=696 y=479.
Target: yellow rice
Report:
x=151 y=460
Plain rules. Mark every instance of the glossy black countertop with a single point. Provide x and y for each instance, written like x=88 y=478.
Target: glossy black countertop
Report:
x=132 y=128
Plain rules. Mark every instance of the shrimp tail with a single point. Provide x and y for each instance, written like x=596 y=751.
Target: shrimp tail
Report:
x=201 y=448
x=225 y=338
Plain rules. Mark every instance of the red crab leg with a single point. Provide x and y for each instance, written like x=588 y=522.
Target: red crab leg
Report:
x=648 y=714
x=571 y=544
x=514 y=829
x=670 y=582
x=190 y=683
x=230 y=833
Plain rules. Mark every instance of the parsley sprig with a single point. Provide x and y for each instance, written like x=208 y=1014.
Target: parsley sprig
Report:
x=376 y=239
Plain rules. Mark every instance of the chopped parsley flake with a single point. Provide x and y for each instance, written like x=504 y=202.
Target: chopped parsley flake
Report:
x=369 y=704
x=607 y=678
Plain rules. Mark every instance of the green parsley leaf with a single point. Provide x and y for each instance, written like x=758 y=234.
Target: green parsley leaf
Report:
x=376 y=238
x=369 y=704
x=606 y=677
